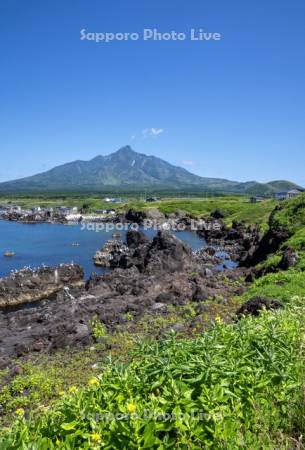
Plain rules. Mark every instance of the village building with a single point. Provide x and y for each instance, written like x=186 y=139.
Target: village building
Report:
x=286 y=195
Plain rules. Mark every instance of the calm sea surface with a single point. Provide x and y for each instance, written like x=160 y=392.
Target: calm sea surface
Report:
x=48 y=244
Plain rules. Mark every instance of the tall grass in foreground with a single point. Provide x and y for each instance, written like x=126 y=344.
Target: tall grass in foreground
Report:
x=238 y=386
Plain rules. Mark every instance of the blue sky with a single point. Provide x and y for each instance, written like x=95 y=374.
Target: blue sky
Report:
x=231 y=109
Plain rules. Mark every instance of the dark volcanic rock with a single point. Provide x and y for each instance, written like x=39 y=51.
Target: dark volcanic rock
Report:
x=167 y=254
x=269 y=243
x=217 y=214
x=289 y=259
x=257 y=304
x=136 y=238
x=93 y=280
x=134 y=216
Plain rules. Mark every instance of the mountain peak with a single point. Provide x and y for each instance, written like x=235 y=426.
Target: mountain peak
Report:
x=123 y=152
x=126 y=150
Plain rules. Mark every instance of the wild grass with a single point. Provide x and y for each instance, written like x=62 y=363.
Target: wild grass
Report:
x=236 y=386
x=291 y=214
x=42 y=379
x=282 y=286
x=233 y=208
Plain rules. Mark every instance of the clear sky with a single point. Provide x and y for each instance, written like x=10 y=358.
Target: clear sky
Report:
x=232 y=108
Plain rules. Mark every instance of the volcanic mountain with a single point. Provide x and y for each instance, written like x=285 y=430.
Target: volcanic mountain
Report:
x=128 y=170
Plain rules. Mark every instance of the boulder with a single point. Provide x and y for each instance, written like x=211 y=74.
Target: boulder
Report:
x=167 y=254
x=289 y=259
x=217 y=214
x=134 y=216
x=256 y=304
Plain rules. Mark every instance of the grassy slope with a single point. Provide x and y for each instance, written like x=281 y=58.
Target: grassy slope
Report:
x=233 y=208
x=284 y=285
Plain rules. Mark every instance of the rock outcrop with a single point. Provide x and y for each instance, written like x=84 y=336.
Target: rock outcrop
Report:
x=289 y=259
x=110 y=253
x=134 y=216
x=217 y=214
x=240 y=241
x=27 y=286
x=255 y=305
x=135 y=238
x=165 y=253
x=159 y=273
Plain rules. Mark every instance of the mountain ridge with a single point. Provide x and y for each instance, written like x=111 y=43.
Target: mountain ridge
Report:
x=127 y=169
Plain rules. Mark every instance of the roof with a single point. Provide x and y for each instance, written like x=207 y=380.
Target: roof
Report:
x=294 y=191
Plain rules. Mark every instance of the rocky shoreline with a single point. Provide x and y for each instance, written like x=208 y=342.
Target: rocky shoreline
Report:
x=148 y=277
x=153 y=275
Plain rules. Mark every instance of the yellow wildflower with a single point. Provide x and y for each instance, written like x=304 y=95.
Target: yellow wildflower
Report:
x=131 y=408
x=218 y=320
x=95 y=437
x=20 y=412
x=93 y=381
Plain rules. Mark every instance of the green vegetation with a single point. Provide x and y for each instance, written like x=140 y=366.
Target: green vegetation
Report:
x=281 y=285
x=98 y=329
x=236 y=386
x=291 y=214
x=233 y=208
x=284 y=285
x=43 y=379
